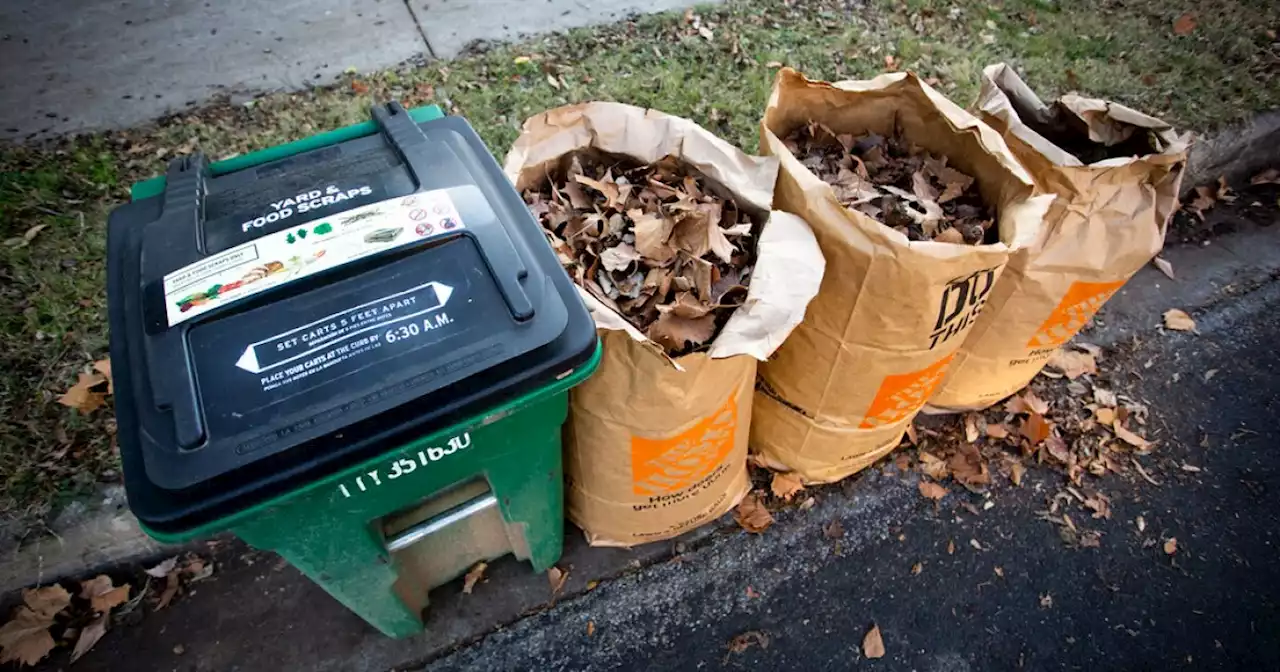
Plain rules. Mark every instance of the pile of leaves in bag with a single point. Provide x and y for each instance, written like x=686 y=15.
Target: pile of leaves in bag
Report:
x=655 y=242
x=898 y=184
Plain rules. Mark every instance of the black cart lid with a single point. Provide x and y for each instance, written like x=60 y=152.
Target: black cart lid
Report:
x=277 y=324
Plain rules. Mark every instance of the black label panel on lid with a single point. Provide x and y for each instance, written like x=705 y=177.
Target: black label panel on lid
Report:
x=314 y=352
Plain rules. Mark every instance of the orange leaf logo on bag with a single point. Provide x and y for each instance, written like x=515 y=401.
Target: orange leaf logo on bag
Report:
x=666 y=465
x=1081 y=301
x=901 y=395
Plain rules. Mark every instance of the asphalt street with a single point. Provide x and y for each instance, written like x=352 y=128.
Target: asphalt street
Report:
x=1011 y=595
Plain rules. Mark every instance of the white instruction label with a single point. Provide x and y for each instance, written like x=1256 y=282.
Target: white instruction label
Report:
x=285 y=256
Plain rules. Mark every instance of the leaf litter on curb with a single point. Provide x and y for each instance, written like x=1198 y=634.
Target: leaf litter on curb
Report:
x=751 y=513
x=658 y=243
x=784 y=485
x=25 y=638
x=1083 y=428
x=898 y=184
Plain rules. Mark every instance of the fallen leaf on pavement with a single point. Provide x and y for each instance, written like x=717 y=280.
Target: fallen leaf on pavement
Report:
x=1016 y=472
x=751 y=593
x=1268 y=176
x=1164 y=266
x=971 y=432
x=89 y=635
x=102 y=595
x=473 y=577
x=752 y=515
x=1046 y=601
x=163 y=569
x=1185 y=24
x=997 y=430
x=1178 y=320
x=747 y=640
x=1171 y=545
x=917 y=568
x=25 y=638
x=1129 y=437
x=833 y=529
x=785 y=486
x=1205 y=199
x=172 y=581
x=951 y=547
x=556 y=577
x=932 y=490
x=591 y=628
x=873 y=643
x=1036 y=429
x=1105 y=416
x=1073 y=363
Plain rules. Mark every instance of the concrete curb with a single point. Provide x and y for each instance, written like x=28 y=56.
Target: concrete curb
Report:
x=1236 y=153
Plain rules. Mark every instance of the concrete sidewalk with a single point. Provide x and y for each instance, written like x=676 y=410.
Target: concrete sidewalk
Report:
x=80 y=65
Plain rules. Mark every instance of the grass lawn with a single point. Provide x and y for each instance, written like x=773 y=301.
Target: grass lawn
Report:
x=52 y=296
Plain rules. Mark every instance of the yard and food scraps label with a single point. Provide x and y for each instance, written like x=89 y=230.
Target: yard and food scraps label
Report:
x=285 y=256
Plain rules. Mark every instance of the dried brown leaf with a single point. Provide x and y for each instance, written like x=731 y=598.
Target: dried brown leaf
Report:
x=1016 y=472
x=1129 y=437
x=950 y=235
x=608 y=188
x=785 y=485
x=997 y=430
x=719 y=244
x=1072 y=363
x=620 y=257
x=25 y=637
x=1268 y=176
x=752 y=515
x=1178 y=320
x=971 y=431
x=556 y=578
x=932 y=490
x=1036 y=429
x=473 y=577
x=673 y=332
x=163 y=569
x=873 y=643
x=747 y=640
x=1164 y=266
x=89 y=635
x=1185 y=24
x=833 y=530
x=82 y=396
x=1171 y=546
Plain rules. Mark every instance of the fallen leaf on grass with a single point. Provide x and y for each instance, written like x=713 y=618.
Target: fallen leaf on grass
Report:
x=785 y=485
x=1164 y=266
x=89 y=635
x=932 y=490
x=1178 y=320
x=747 y=640
x=1171 y=546
x=25 y=638
x=971 y=432
x=556 y=577
x=1073 y=363
x=82 y=396
x=26 y=238
x=1185 y=25
x=102 y=595
x=473 y=577
x=752 y=515
x=873 y=643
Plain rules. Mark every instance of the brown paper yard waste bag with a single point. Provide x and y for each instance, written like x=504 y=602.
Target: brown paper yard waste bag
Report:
x=655 y=446
x=1114 y=199
x=891 y=312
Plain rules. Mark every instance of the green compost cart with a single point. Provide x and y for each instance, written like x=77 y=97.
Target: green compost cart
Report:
x=354 y=350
